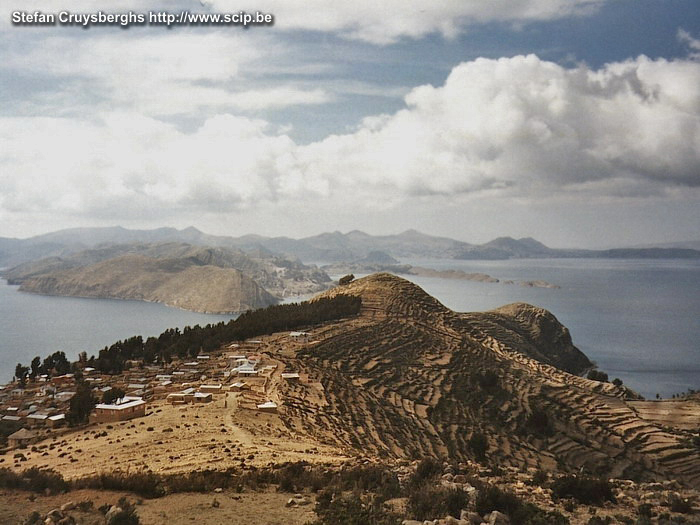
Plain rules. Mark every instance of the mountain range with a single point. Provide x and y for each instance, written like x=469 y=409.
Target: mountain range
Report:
x=325 y=247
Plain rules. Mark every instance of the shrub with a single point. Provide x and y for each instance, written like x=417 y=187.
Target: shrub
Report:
x=492 y=498
x=146 y=484
x=478 y=445
x=538 y=422
x=488 y=380
x=428 y=468
x=335 y=509
x=429 y=501
x=539 y=478
x=33 y=479
x=589 y=491
x=85 y=506
x=679 y=504
x=644 y=510
x=126 y=516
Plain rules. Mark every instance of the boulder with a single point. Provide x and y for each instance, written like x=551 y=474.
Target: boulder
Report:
x=470 y=517
x=54 y=515
x=111 y=513
x=68 y=506
x=498 y=518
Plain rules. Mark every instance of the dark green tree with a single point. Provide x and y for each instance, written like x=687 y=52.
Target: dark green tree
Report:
x=81 y=404
x=36 y=367
x=21 y=373
x=111 y=395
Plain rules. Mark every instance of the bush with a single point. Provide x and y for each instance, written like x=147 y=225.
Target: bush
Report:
x=478 y=445
x=681 y=505
x=539 y=478
x=589 y=491
x=34 y=479
x=146 y=484
x=538 y=422
x=492 y=498
x=597 y=520
x=127 y=516
x=371 y=478
x=428 y=468
x=335 y=509
x=644 y=510
x=488 y=380
x=85 y=506
x=429 y=501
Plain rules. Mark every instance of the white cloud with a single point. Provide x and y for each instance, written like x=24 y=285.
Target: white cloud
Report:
x=390 y=20
x=153 y=73
x=515 y=126
x=693 y=43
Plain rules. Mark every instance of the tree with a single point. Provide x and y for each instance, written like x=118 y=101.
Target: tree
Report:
x=111 y=395
x=56 y=362
x=617 y=381
x=36 y=367
x=21 y=374
x=597 y=375
x=81 y=404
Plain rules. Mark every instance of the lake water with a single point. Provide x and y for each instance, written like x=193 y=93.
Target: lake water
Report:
x=32 y=325
x=639 y=320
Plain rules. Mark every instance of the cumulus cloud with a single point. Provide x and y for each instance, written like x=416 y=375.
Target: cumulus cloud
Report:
x=532 y=126
x=514 y=126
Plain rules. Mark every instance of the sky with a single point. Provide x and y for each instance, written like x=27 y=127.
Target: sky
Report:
x=576 y=122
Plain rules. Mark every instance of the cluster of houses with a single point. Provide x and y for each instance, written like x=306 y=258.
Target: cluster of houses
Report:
x=43 y=403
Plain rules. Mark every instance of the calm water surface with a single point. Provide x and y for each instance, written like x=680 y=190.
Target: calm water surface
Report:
x=32 y=325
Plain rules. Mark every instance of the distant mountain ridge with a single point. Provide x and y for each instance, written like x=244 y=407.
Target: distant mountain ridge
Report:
x=199 y=278
x=325 y=247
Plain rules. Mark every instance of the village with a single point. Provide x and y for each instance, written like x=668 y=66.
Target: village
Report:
x=238 y=384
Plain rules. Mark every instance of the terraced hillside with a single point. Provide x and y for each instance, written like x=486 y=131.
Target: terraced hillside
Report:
x=410 y=378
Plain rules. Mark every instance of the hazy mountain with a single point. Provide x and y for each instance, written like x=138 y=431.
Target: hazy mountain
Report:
x=325 y=247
